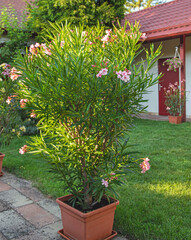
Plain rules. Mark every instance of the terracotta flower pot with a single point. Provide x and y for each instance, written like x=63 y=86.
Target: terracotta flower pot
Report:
x=175 y=119
x=94 y=225
x=1 y=163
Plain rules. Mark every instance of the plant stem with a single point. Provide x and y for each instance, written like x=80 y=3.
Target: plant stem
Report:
x=87 y=196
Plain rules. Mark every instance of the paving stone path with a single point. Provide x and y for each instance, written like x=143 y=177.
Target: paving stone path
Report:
x=26 y=214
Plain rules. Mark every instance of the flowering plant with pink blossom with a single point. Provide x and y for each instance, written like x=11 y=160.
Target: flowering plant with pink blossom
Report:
x=9 y=116
x=13 y=119
x=174 y=101
x=85 y=95
x=173 y=63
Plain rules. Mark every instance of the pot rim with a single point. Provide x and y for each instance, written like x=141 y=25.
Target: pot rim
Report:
x=2 y=154
x=175 y=116
x=61 y=202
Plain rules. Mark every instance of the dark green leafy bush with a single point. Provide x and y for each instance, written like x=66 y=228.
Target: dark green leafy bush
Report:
x=86 y=87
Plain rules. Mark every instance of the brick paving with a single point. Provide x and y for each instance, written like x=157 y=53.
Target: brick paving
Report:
x=35 y=214
x=158 y=117
x=153 y=117
x=4 y=187
x=26 y=214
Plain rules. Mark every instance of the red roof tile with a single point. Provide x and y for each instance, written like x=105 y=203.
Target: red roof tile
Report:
x=165 y=20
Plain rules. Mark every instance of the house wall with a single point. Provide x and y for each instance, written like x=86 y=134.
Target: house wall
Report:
x=188 y=77
x=168 y=50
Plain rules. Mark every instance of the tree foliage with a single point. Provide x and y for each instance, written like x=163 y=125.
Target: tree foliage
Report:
x=133 y=5
x=76 y=12
x=85 y=88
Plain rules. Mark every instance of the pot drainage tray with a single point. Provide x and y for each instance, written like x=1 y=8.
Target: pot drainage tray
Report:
x=1 y=174
x=114 y=233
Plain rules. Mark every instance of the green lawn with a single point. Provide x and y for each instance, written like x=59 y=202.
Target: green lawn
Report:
x=153 y=206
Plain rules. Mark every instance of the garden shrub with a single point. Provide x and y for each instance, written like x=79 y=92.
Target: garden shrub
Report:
x=86 y=87
x=74 y=12
x=13 y=119
x=17 y=31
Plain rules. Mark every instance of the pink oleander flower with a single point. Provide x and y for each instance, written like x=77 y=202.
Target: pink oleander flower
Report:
x=62 y=43
x=46 y=50
x=119 y=74
x=34 y=49
x=33 y=115
x=37 y=45
x=124 y=76
x=144 y=36
x=8 y=101
x=112 y=174
x=5 y=65
x=145 y=166
x=6 y=72
x=23 y=149
x=104 y=182
x=93 y=65
x=167 y=108
x=128 y=71
x=108 y=32
x=90 y=43
x=23 y=102
x=14 y=74
x=84 y=33
x=102 y=72
x=105 y=39
x=99 y=75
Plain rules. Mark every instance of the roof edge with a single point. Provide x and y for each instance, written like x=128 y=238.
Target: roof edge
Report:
x=146 y=9
x=167 y=28
x=167 y=36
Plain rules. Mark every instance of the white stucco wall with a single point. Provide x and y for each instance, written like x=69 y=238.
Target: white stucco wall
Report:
x=168 y=51
x=152 y=95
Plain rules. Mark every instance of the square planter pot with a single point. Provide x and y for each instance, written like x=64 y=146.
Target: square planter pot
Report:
x=175 y=119
x=94 y=225
x=1 y=163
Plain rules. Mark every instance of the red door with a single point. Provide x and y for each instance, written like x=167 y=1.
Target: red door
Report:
x=168 y=77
